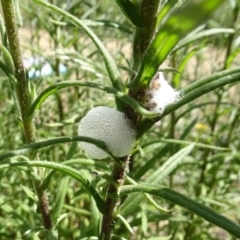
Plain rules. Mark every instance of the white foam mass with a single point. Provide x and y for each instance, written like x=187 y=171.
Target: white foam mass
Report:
x=109 y=125
x=160 y=94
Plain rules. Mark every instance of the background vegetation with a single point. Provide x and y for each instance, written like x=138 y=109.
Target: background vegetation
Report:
x=56 y=50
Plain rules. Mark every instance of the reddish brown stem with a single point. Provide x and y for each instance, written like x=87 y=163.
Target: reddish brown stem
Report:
x=112 y=200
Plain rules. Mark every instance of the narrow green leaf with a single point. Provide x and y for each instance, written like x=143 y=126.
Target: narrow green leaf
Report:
x=232 y=57
x=151 y=162
x=188 y=95
x=76 y=174
x=200 y=145
x=60 y=218
x=135 y=105
x=87 y=163
x=58 y=203
x=8 y=72
x=170 y=165
x=95 y=217
x=163 y=151
x=144 y=221
x=77 y=210
x=81 y=162
x=130 y=11
x=181 y=67
x=188 y=129
x=226 y=77
x=200 y=35
x=194 y=91
x=165 y=9
x=125 y=222
x=107 y=23
x=8 y=59
x=148 y=197
x=61 y=85
x=180 y=116
x=2 y=29
x=180 y=22
x=41 y=98
x=109 y=63
x=168 y=69
x=153 y=203
x=132 y=201
x=177 y=198
x=28 y=192
x=60 y=198
x=34 y=146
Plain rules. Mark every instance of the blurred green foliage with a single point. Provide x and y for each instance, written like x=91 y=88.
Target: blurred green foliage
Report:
x=209 y=175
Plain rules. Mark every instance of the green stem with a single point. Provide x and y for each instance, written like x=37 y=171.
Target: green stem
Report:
x=22 y=84
x=231 y=36
x=24 y=99
x=233 y=125
x=143 y=36
x=56 y=68
x=172 y=136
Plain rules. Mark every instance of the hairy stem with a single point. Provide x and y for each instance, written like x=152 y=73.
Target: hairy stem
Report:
x=24 y=99
x=143 y=36
x=112 y=201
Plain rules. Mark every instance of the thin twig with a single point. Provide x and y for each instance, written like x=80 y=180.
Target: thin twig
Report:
x=24 y=100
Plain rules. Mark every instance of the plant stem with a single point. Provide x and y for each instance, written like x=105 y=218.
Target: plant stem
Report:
x=24 y=99
x=112 y=200
x=148 y=11
x=21 y=85
x=56 y=68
